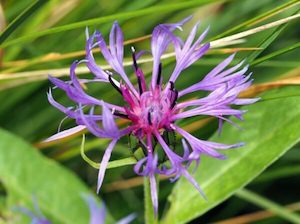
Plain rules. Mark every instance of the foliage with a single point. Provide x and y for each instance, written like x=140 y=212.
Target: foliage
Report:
x=44 y=37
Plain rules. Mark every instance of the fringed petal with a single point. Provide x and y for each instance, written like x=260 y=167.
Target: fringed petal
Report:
x=97 y=213
x=161 y=38
x=104 y=163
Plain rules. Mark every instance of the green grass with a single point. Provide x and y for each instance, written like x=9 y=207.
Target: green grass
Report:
x=43 y=37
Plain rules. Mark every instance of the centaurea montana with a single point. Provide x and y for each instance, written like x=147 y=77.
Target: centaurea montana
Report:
x=97 y=213
x=154 y=109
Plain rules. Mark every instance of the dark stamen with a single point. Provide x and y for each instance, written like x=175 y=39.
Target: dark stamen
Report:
x=175 y=98
x=149 y=118
x=159 y=74
x=114 y=84
x=140 y=85
x=172 y=85
x=135 y=65
x=120 y=115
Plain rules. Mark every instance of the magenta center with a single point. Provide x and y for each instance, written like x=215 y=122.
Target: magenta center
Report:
x=151 y=111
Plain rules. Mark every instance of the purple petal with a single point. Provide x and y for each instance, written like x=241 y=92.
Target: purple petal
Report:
x=153 y=189
x=65 y=134
x=205 y=147
x=109 y=124
x=193 y=182
x=138 y=167
x=245 y=101
x=116 y=40
x=188 y=54
x=161 y=38
x=128 y=219
x=91 y=125
x=97 y=213
x=104 y=163
x=91 y=64
x=115 y=56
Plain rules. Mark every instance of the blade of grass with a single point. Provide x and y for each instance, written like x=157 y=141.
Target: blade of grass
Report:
x=118 y=16
x=42 y=74
x=83 y=70
x=256 y=216
x=284 y=171
x=15 y=66
x=275 y=54
x=18 y=65
x=259 y=18
x=21 y=18
x=150 y=217
x=267 y=41
x=268 y=204
x=253 y=31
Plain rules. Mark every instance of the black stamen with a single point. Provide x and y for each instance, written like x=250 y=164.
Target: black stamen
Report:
x=149 y=118
x=172 y=85
x=135 y=65
x=120 y=115
x=114 y=84
x=159 y=74
x=175 y=98
x=140 y=85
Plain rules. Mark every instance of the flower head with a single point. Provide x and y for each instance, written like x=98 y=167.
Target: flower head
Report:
x=97 y=213
x=153 y=109
x=36 y=216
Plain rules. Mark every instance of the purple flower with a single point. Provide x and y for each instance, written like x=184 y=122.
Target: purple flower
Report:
x=154 y=109
x=97 y=213
x=36 y=216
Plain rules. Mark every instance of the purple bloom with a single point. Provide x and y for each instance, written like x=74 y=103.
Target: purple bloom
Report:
x=36 y=216
x=154 y=109
x=97 y=213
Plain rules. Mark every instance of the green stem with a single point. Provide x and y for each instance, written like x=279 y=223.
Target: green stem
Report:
x=258 y=18
x=150 y=217
x=20 y=19
x=269 y=205
x=118 y=16
x=282 y=172
x=276 y=53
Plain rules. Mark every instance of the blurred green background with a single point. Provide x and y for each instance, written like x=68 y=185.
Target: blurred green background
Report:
x=44 y=37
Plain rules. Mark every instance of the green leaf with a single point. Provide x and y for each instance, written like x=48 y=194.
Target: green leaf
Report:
x=150 y=217
x=20 y=19
x=268 y=41
x=279 y=173
x=25 y=172
x=276 y=53
x=259 y=18
x=268 y=134
x=265 y=203
x=123 y=15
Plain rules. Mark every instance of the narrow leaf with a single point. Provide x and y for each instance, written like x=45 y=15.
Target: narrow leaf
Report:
x=265 y=143
x=25 y=172
x=20 y=19
x=269 y=205
x=118 y=16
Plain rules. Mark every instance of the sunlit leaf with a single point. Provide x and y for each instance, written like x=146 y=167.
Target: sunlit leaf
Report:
x=25 y=172
x=268 y=134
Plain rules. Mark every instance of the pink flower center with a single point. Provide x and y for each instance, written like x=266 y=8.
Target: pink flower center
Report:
x=151 y=112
